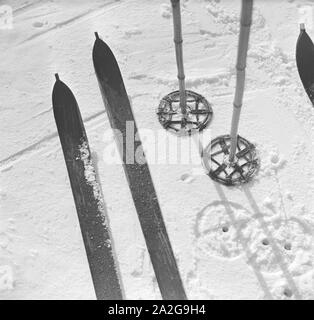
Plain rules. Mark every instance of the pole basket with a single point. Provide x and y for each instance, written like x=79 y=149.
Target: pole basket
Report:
x=198 y=113
x=216 y=160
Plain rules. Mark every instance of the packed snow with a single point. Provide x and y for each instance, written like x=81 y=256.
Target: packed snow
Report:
x=249 y=242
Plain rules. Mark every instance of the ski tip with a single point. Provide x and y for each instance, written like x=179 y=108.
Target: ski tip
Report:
x=96 y=35
x=302 y=27
x=62 y=96
x=57 y=77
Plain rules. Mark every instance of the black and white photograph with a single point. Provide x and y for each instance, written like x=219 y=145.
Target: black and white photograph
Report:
x=157 y=150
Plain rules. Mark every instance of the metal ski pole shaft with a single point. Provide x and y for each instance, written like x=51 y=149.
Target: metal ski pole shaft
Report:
x=246 y=21
x=177 y=27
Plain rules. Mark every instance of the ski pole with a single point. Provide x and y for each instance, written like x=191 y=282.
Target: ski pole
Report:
x=182 y=119
x=177 y=27
x=224 y=164
x=246 y=21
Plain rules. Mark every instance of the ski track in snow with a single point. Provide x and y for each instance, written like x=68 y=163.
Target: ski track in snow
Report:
x=88 y=14
x=262 y=232
x=47 y=144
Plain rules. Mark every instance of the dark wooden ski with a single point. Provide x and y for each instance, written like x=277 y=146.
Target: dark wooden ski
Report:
x=86 y=192
x=137 y=173
x=305 y=62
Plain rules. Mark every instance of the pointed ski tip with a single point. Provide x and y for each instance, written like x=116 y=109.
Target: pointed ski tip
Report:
x=302 y=27
x=57 y=77
x=96 y=35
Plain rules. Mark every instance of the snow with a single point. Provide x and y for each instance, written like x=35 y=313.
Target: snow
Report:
x=249 y=242
x=90 y=174
x=165 y=10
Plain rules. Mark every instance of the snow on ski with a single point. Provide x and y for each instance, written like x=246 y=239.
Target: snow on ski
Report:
x=138 y=175
x=86 y=192
x=305 y=61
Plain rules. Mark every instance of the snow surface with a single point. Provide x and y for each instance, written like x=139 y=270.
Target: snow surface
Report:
x=254 y=242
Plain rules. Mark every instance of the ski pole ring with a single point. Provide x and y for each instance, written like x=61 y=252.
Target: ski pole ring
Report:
x=198 y=113
x=217 y=162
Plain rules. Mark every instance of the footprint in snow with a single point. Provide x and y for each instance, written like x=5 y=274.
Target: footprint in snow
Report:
x=187 y=178
x=228 y=230
x=218 y=229
x=38 y=24
x=280 y=244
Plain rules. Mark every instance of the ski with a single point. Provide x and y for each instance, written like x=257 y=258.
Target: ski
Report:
x=305 y=62
x=87 y=193
x=137 y=172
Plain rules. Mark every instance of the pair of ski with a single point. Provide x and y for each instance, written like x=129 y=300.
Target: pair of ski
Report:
x=87 y=196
